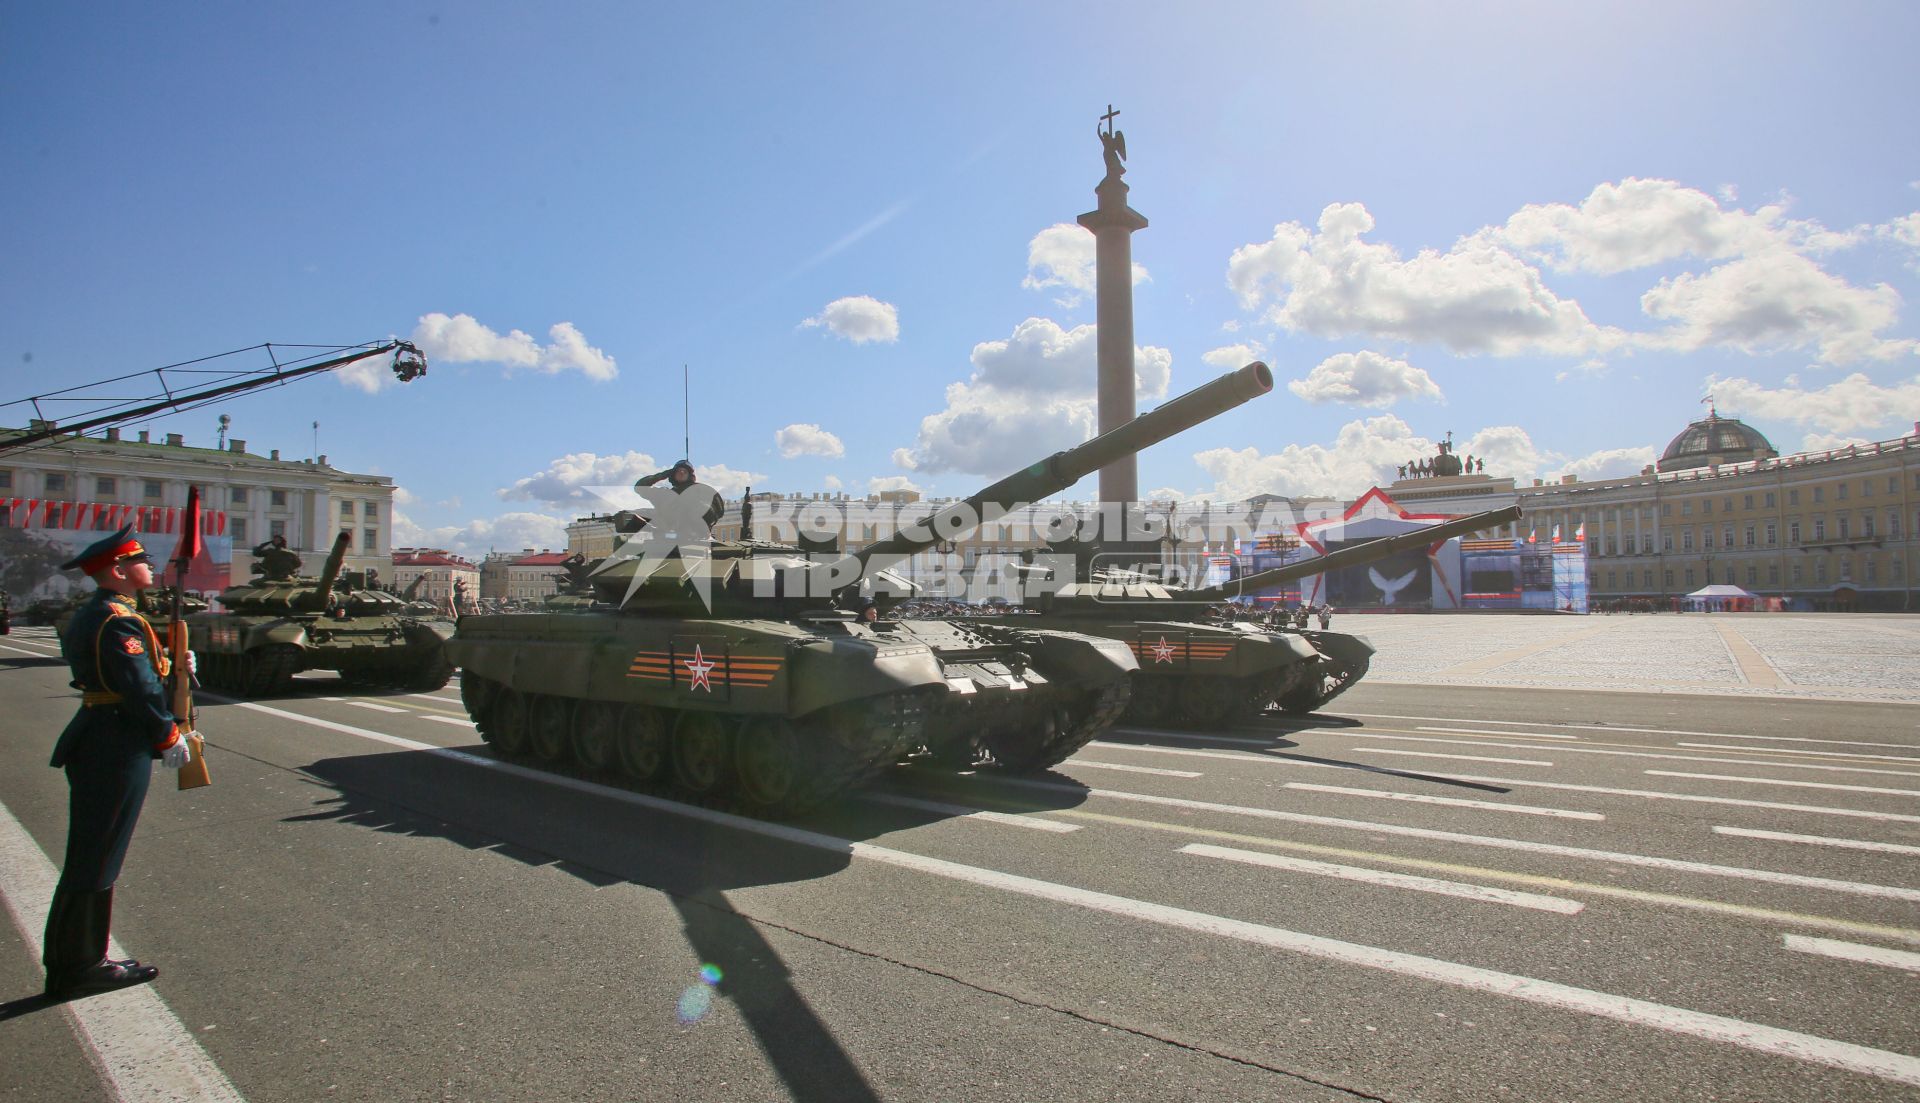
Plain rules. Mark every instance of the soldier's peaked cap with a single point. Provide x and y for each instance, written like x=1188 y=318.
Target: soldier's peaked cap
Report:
x=105 y=552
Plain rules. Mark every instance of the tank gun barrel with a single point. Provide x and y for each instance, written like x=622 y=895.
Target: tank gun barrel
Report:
x=317 y=597
x=1368 y=552
x=1062 y=469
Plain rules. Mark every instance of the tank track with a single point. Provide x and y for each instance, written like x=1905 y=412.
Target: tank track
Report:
x=845 y=748
x=1093 y=713
x=1203 y=703
x=264 y=672
x=1328 y=680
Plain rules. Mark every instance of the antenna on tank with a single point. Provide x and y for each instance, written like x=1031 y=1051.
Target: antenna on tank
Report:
x=686 y=416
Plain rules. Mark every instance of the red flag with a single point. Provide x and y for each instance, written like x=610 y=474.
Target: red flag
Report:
x=189 y=531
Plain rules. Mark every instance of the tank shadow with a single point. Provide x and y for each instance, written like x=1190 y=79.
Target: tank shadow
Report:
x=1253 y=745
x=605 y=835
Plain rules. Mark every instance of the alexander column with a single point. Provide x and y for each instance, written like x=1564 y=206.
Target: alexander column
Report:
x=1113 y=224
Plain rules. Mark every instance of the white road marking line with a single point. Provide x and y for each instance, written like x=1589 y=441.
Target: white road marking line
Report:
x=1388 y=880
x=1570 y=787
x=1853 y=951
x=450 y=720
x=1501 y=843
x=1643 y=754
x=1820 y=840
x=1752 y=1036
x=1789 y=750
x=1455 y=802
x=30 y=654
x=1477 y=731
x=1456 y=757
x=374 y=707
x=1785 y=781
x=1130 y=769
x=142 y=1050
x=961 y=811
x=1624 y=728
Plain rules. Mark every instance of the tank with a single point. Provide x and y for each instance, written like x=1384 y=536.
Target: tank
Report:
x=153 y=604
x=273 y=627
x=772 y=692
x=1202 y=666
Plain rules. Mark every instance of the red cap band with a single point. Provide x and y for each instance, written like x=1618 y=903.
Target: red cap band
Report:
x=97 y=563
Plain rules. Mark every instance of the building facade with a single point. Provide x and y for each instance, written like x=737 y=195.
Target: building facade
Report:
x=76 y=484
x=442 y=575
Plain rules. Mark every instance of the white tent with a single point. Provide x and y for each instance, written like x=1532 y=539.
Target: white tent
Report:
x=1720 y=597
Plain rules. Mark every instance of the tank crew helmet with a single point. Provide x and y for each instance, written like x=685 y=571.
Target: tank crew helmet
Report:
x=107 y=552
x=673 y=473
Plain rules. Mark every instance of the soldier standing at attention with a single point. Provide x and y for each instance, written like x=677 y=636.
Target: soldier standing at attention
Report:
x=107 y=750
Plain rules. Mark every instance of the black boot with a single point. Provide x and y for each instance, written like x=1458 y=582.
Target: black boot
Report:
x=77 y=962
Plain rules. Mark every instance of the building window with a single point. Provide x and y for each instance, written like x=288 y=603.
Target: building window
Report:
x=6 y=478
x=1666 y=509
x=151 y=489
x=1726 y=504
x=103 y=486
x=1819 y=493
x=1646 y=578
x=1866 y=488
x=1773 y=574
x=1843 y=526
x=1632 y=542
x=1686 y=539
x=1893 y=524
x=1749 y=535
x=1686 y=508
x=1793 y=497
x=1746 y=502
x=1798 y=574
x=277 y=528
x=1666 y=541
x=1793 y=533
x=238 y=496
x=1866 y=526
x=1840 y=492
x=1819 y=529
x=1726 y=537
x=372 y=540
x=1773 y=533
x=277 y=499
x=1820 y=569
x=370 y=510
x=1611 y=585
x=1893 y=484
x=56 y=483
x=1668 y=574
x=346 y=511
x=1769 y=499
x=1689 y=578
x=238 y=527
x=1706 y=536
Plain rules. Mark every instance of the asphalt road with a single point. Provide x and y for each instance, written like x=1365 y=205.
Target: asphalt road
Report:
x=1432 y=893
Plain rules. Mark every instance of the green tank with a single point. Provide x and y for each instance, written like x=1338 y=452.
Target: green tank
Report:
x=154 y=604
x=780 y=695
x=1198 y=670
x=275 y=627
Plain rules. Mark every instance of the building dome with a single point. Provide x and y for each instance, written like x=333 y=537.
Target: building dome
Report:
x=1715 y=439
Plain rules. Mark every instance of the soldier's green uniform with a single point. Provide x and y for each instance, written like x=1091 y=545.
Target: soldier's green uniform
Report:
x=107 y=751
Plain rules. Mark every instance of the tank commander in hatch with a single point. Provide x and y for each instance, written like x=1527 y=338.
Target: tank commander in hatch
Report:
x=684 y=499
x=276 y=559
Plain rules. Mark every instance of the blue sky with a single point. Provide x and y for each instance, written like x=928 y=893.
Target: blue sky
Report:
x=1549 y=230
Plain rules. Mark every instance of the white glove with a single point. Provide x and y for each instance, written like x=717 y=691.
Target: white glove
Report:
x=179 y=754
x=193 y=664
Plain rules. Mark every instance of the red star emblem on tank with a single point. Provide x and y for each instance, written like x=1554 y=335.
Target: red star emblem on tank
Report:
x=698 y=667
x=1163 y=651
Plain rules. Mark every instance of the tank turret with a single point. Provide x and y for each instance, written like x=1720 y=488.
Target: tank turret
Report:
x=321 y=594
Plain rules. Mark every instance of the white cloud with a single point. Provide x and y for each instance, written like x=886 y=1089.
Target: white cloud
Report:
x=891 y=482
x=1509 y=451
x=1365 y=378
x=1853 y=405
x=1611 y=463
x=801 y=439
x=567 y=479
x=1234 y=356
x=1776 y=299
x=832 y=482
x=731 y=482
x=861 y=319
x=1475 y=298
x=404 y=497
x=1365 y=453
x=1729 y=193
x=462 y=339
x=1826 y=442
x=474 y=539
x=1062 y=256
x=1594 y=368
x=1028 y=396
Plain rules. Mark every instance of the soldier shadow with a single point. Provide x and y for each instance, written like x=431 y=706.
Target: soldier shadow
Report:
x=604 y=838
x=23 y=661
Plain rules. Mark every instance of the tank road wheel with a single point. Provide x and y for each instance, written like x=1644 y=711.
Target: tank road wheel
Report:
x=1327 y=681
x=477 y=695
x=1208 y=703
x=700 y=753
x=642 y=743
x=771 y=767
x=433 y=673
x=596 y=734
x=1024 y=750
x=549 y=726
x=507 y=723
x=1153 y=700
